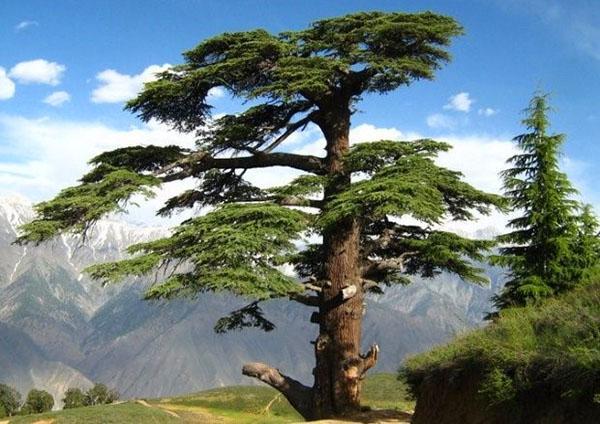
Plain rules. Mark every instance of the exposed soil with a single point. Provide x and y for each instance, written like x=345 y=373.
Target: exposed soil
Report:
x=372 y=417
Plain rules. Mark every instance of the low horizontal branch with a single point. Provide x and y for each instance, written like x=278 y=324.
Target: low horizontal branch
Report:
x=299 y=395
x=198 y=162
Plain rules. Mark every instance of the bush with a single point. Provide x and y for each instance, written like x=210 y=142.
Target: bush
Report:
x=74 y=398
x=555 y=346
x=10 y=401
x=38 y=401
x=100 y=395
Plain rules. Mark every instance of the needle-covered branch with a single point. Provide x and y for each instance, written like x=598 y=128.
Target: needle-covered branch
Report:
x=235 y=248
x=197 y=163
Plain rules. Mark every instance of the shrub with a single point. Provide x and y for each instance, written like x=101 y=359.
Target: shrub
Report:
x=555 y=346
x=74 y=398
x=10 y=401
x=38 y=401
x=100 y=395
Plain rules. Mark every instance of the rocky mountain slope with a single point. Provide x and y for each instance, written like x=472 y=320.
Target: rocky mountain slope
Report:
x=59 y=329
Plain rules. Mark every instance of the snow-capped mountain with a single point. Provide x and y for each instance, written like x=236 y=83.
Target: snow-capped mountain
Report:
x=59 y=329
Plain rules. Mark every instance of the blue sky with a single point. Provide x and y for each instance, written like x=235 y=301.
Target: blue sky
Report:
x=65 y=67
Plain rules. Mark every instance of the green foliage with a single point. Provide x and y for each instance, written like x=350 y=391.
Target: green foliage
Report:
x=234 y=248
x=303 y=186
x=312 y=77
x=10 y=400
x=249 y=316
x=414 y=186
x=553 y=346
x=76 y=208
x=497 y=387
x=374 y=51
x=544 y=251
x=37 y=401
x=100 y=395
x=74 y=398
x=371 y=157
x=216 y=187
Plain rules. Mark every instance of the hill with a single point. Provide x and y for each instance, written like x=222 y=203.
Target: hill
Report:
x=237 y=404
x=533 y=365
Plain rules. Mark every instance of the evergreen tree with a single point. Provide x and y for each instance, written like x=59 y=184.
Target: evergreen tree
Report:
x=540 y=251
x=74 y=398
x=10 y=400
x=587 y=245
x=355 y=198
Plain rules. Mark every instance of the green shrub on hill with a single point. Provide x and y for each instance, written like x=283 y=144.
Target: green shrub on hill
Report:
x=10 y=400
x=554 y=348
x=38 y=401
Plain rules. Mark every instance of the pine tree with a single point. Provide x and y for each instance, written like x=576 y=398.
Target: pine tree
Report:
x=587 y=245
x=540 y=251
x=312 y=77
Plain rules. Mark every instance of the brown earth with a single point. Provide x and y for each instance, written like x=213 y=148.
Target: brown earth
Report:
x=452 y=397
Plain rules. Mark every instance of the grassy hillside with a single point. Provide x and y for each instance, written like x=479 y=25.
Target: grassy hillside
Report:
x=553 y=349
x=238 y=404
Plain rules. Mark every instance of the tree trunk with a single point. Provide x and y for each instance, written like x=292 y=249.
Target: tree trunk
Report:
x=339 y=366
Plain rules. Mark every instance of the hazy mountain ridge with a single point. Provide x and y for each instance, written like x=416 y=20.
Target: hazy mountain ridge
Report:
x=80 y=332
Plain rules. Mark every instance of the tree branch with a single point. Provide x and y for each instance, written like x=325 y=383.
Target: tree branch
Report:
x=299 y=395
x=198 y=162
x=369 y=359
x=291 y=128
x=305 y=299
x=377 y=267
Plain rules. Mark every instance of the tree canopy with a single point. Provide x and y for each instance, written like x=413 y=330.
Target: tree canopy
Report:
x=551 y=247
x=376 y=208
x=10 y=400
x=37 y=401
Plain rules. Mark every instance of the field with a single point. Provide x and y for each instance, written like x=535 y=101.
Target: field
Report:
x=237 y=404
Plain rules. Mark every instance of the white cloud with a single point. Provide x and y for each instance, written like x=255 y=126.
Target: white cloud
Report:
x=460 y=102
x=48 y=155
x=116 y=87
x=488 y=111
x=360 y=134
x=57 y=98
x=216 y=93
x=439 y=120
x=40 y=148
x=38 y=71
x=23 y=25
x=7 y=87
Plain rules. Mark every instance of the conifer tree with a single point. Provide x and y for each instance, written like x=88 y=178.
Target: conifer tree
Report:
x=587 y=245
x=541 y=251
x=311 y=77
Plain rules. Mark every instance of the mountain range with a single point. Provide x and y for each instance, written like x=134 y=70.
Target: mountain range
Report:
x=59 y=329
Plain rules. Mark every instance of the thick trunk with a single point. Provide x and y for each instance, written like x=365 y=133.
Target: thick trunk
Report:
x=339 y=365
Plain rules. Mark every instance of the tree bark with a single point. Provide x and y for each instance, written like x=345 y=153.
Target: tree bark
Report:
x=295 y=392
x=339 y=367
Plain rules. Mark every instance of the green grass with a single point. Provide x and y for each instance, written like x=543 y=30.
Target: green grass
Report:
x=385 y=391
x=124 y=413
x=239 y=404
x=247 y=404
x=554 y=346
x=236 y=404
